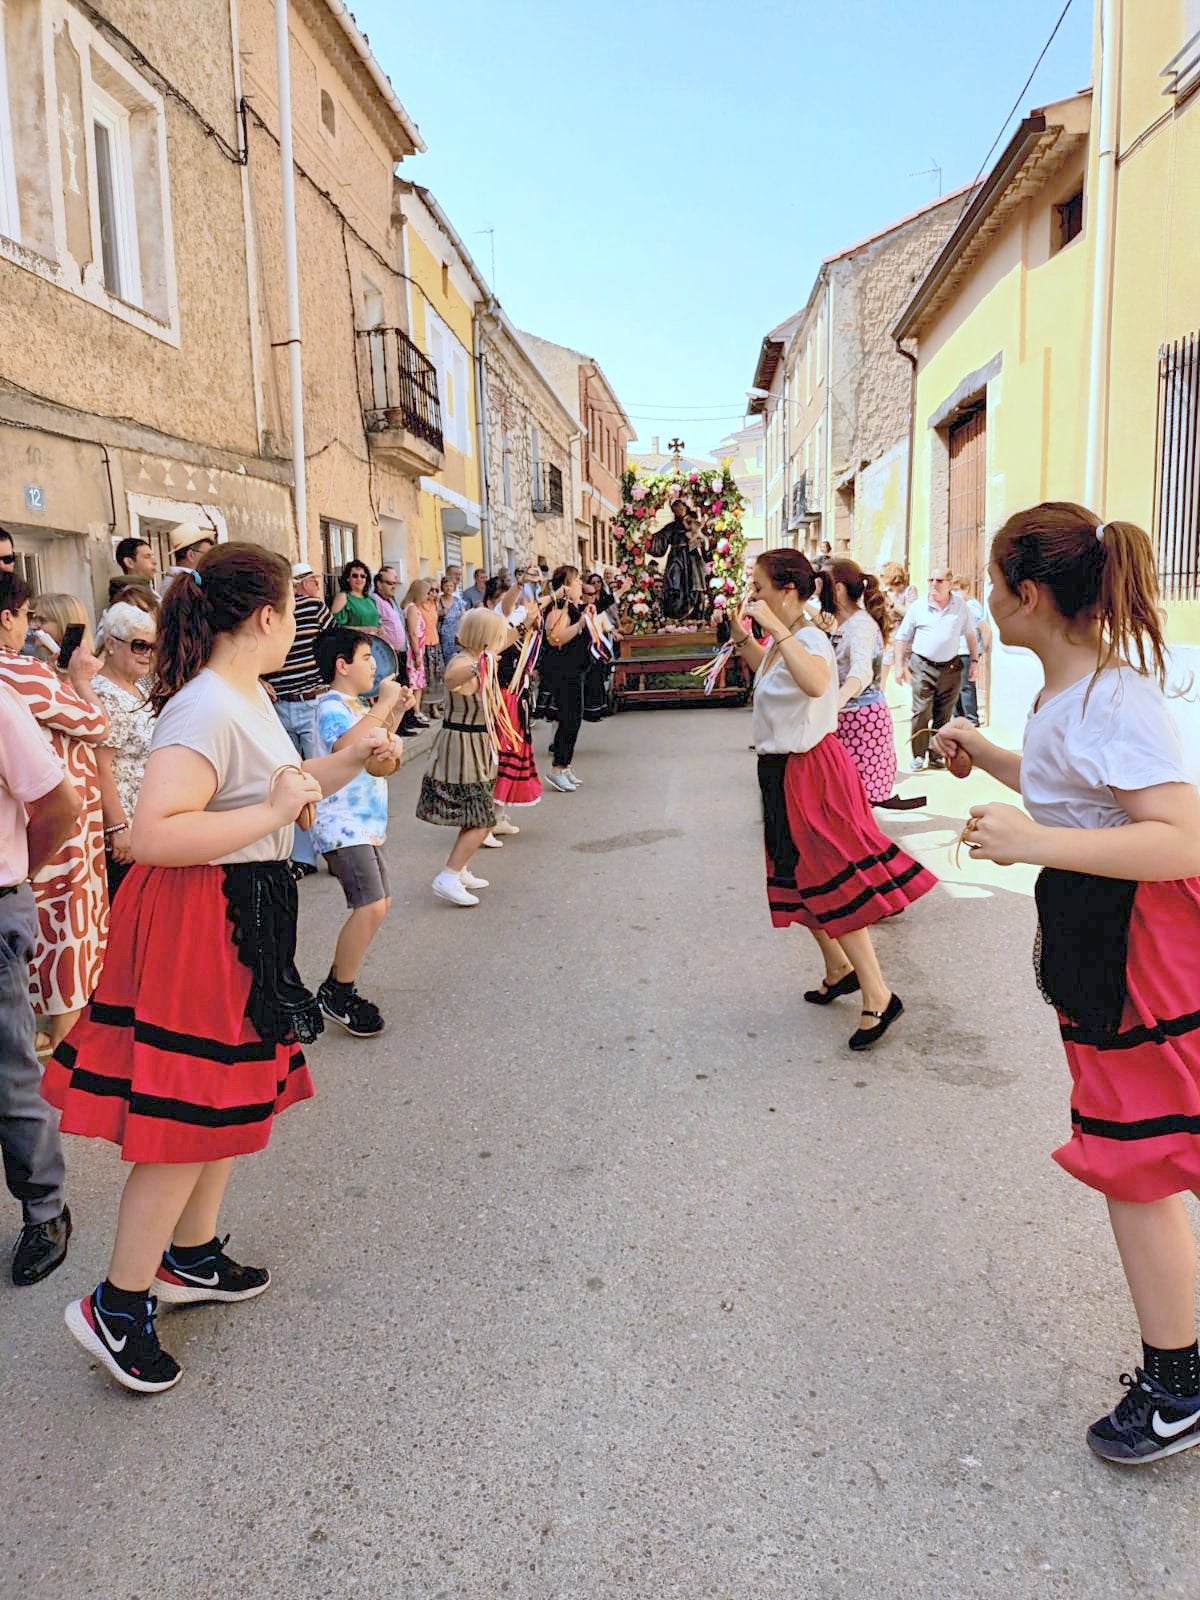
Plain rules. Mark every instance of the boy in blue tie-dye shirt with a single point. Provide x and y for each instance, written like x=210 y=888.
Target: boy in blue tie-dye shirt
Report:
x=351 y=825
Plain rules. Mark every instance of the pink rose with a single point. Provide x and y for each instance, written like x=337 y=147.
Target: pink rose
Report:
x=693 y=477
x=718 y=507
x=723 y=547
x=639 y=511
x=639 y=493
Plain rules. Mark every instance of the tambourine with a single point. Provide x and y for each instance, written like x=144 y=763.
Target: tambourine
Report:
x=308 y=814
x=387 y=662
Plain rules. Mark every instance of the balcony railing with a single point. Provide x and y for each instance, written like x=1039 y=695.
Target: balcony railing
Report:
x=399 y=384
x=547 y=490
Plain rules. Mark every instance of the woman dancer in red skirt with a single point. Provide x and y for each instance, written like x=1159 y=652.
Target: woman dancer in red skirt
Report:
x=829 y=867
x=1115 y=824
x=190 y=1044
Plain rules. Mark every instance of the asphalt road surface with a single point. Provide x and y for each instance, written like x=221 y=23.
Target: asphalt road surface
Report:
x=609 y=1273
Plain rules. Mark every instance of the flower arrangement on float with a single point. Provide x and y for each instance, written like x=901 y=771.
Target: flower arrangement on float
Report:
x=645 y=496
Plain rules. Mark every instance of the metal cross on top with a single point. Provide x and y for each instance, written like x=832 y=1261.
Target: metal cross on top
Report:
x=676 y=447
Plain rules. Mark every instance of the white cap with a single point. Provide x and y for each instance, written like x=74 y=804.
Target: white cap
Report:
x=301 y=569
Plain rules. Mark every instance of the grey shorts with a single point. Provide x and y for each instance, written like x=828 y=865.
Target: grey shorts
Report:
x=362 y=873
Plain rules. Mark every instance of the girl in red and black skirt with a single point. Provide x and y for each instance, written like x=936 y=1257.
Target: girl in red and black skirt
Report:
x=191 y=1043
x=1114 y=822
x=829 y=867
x=517 y=781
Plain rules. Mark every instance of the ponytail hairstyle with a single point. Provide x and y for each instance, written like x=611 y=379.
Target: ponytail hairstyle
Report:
x=789 y=569
x=1095 y=572
x=230 y=583
x=861 y=587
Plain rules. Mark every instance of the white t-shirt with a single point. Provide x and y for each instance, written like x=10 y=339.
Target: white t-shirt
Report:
x=786 y=720
x=242 y=740
x=1075 y=755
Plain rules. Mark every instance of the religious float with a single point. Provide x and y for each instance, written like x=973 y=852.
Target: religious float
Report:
x=680 y=544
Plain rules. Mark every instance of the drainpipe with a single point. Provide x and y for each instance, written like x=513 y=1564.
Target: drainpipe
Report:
x=287 y=184
x=912 y=449
x=1103 y=225
x=481 y=434
x=830 y=502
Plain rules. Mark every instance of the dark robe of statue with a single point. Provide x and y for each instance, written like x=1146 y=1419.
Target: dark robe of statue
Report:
x=684 y=583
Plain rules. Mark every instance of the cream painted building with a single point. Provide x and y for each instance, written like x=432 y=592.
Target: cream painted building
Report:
x=1042 y=374
x=445 y=294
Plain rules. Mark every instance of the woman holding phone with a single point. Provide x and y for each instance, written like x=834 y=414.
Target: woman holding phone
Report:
x=70 y=890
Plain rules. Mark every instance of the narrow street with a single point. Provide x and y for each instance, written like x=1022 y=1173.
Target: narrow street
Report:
x=608 y=1273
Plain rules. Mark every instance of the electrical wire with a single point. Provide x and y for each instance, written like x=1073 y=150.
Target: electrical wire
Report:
x=1016 y=106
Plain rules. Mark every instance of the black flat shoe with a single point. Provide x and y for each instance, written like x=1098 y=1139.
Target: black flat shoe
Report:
x=898 y=802
x=41 y=1247
x=828 y=993
x=863 y=1038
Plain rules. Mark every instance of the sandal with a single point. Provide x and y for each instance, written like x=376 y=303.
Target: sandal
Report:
x=863 y=1038
x=828 y=993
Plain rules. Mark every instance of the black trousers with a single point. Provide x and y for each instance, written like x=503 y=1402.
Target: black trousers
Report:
x=935 y=687
x=568 y=697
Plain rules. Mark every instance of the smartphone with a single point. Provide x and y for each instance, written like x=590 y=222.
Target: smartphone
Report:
x=72 y=639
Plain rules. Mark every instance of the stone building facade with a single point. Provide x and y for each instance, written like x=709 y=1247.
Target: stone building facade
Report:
x=530 y=434
x=143 y=381
x=607 y=435
x=836 y=398
x=127 y=386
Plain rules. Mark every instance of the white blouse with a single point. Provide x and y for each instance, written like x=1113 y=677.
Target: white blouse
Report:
x=1077 y=753
x=786 y=720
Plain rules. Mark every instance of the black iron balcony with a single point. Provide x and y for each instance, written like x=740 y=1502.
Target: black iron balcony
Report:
x=547 y=490
x=400 y=400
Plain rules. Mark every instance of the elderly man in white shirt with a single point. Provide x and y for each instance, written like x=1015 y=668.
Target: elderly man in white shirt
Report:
x=932 y=635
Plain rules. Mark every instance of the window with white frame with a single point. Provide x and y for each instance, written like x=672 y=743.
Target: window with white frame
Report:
x=453 y=373
x=116 y=215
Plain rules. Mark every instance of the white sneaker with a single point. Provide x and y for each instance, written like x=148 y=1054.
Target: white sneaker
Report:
x=492 y=843
x=505 y=826
x=468 y=878
x=574 y=777
x=449 y=886
x=559 y=780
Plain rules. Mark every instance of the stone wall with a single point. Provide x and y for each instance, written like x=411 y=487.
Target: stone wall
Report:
x=517 y=402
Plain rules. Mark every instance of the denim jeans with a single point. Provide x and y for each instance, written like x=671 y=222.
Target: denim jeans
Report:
x=968 y=695
x=33 y=1158
x=299 y=717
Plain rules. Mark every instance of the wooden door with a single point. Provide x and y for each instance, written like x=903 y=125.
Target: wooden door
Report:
x=968 y=497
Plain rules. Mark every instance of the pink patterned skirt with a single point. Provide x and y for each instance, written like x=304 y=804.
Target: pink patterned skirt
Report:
x=867 y=733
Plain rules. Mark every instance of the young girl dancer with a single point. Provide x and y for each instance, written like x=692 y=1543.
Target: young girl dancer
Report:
x=189 y=1046
x=517 y=781
x=1115 y=824
x=456 y=790
x=829 y=867
x=862 y=624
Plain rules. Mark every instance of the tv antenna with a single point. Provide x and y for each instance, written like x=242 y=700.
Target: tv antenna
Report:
x=934 y=171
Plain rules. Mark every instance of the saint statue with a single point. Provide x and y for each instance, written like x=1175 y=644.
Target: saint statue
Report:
x=685 y=577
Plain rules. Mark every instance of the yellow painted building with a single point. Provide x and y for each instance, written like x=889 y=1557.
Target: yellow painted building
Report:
x=1039 y=375
x=445 y=293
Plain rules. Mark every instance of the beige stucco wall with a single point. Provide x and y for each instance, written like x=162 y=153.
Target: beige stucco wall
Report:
x=80 y=355
x=355 y=167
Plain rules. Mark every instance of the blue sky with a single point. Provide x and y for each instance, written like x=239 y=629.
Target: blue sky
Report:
x=664 y=180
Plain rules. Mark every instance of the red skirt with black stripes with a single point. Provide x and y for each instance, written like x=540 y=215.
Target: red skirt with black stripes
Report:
x=163 y=1062
x=1135 y=1096
x=830 y=867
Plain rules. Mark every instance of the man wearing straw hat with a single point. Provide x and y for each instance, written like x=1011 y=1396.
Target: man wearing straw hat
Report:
x=188 y=542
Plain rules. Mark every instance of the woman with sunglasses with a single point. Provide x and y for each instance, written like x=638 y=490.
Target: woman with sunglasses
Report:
x=126 y=636
x=354 y=604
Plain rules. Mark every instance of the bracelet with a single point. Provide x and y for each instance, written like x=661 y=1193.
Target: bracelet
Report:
x=117 y=827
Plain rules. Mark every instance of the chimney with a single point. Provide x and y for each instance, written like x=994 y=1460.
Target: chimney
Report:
x=654 y=450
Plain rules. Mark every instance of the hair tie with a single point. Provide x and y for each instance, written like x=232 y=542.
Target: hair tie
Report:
x=1100 y=531
x=198 y=578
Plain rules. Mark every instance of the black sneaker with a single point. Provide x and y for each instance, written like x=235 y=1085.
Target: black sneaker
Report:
x=342 y=1003
x=213 y=1277
x=1149 y=1422
x=127 y=1345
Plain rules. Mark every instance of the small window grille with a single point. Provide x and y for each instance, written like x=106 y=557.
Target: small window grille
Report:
x=1177 y=475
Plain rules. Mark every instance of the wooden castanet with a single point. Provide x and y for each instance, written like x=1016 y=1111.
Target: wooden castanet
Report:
x=308 y=814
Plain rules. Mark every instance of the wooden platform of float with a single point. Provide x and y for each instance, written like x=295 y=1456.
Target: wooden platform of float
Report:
x=654 y=669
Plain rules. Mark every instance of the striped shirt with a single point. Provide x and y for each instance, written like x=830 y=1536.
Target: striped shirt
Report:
x=299 y=674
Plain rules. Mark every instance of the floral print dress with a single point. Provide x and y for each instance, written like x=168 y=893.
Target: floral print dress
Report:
x=70 y=890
